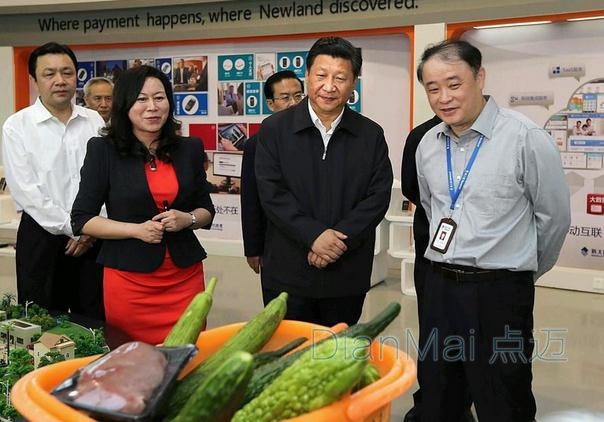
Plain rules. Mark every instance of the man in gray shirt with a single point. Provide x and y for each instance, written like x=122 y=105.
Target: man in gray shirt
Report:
x=493 y=187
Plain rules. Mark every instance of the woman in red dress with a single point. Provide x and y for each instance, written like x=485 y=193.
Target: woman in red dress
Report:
x=154 y=187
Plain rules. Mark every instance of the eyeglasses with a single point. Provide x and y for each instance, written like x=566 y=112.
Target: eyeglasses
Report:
x=286 y=98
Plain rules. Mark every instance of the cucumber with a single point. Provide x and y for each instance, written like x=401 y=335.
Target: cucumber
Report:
x=189 y=325
x=219 y=396
x=320 y=377
x=262 y=358
x=374 y=326
x=250 y=338
x=265 y=374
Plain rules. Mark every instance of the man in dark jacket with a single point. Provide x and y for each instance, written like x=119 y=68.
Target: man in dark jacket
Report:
x=281 y=90
x=421 y=237
x=324 y=179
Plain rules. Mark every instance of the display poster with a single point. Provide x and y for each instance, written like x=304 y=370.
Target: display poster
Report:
x=578 y=131
x=165 y=65
x=219 y=98
x=191 y=104
x=253 y=98
x=354 y=102
x=85 y=73
x=236 y=67
x=227 y=221
x=294 y=61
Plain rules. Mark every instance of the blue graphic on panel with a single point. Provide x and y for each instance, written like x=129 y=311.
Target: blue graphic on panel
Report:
x=292 y=60
x=265 y=109
x=253 y=98
x=85 y=73
x=165 y=65
x=354 y=102
x=194 y=104
x=585 y=115
x=236 y=67
x=586 y=143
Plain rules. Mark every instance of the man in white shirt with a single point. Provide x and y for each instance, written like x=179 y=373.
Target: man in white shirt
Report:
x=43 y=149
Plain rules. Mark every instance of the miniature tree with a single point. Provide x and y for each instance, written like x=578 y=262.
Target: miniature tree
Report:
x=50 y=358
x=90 y=345
x=43 y=319
x=9 y=327
x=21 y=362
x=7 y=300
x=15 y=311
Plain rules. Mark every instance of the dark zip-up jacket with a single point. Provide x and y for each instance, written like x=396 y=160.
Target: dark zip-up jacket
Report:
x=306 y=189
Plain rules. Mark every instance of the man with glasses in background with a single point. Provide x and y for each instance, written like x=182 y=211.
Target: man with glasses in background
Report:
x=281 y=90
x=324 y=180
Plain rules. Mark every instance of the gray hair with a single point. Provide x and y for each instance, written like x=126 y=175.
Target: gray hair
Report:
x=94 y=81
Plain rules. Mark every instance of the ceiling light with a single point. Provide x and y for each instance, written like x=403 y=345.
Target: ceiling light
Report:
x=587 y=18
x=505 y=25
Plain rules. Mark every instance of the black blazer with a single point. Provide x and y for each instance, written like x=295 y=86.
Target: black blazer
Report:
x=410 y=185
x=120 y=183
x=253 y=219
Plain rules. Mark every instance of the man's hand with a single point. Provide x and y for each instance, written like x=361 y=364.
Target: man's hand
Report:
x=316 y=261
x=255 y=262
x=79 y=247
x=330 y=245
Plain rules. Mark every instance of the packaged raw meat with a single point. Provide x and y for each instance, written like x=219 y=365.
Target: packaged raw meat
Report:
x=127 y=384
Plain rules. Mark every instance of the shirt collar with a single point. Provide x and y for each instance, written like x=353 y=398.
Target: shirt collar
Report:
x=483 y=124
x=486 y=120
x=42 y=114
x=317 y=121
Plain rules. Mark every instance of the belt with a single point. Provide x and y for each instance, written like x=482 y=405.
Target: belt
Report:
x=462 y=273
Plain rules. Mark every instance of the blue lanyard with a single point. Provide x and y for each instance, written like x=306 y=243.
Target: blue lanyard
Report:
x=454 y=193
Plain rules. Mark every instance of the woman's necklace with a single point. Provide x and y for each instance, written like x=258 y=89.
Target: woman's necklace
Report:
x=151 y=150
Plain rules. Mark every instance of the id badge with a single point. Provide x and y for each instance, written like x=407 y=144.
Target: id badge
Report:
x=444 y=235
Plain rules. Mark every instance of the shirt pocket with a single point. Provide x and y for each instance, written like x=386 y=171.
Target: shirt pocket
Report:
x=496 y=195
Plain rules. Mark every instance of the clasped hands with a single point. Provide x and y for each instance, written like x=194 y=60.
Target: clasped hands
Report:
x=152 y=231
x=327 y=248
x=77 y=247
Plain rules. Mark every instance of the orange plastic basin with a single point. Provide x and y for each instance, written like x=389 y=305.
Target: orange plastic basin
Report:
x=31 y=394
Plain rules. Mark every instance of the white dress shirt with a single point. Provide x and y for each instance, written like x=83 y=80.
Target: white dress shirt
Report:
x=325 y=133
x=42 y=159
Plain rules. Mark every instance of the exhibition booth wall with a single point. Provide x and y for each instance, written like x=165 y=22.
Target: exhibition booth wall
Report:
x=521 y=64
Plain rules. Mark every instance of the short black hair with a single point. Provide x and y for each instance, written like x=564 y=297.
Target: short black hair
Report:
x=452 y=50
x=275 y=78
x=49 y=48
x=336 y=47
x=125 y=93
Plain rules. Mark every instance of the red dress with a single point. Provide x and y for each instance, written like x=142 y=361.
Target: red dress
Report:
x=145 y=306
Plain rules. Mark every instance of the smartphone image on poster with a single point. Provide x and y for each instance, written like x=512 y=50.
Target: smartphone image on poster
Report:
x=190 y=104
